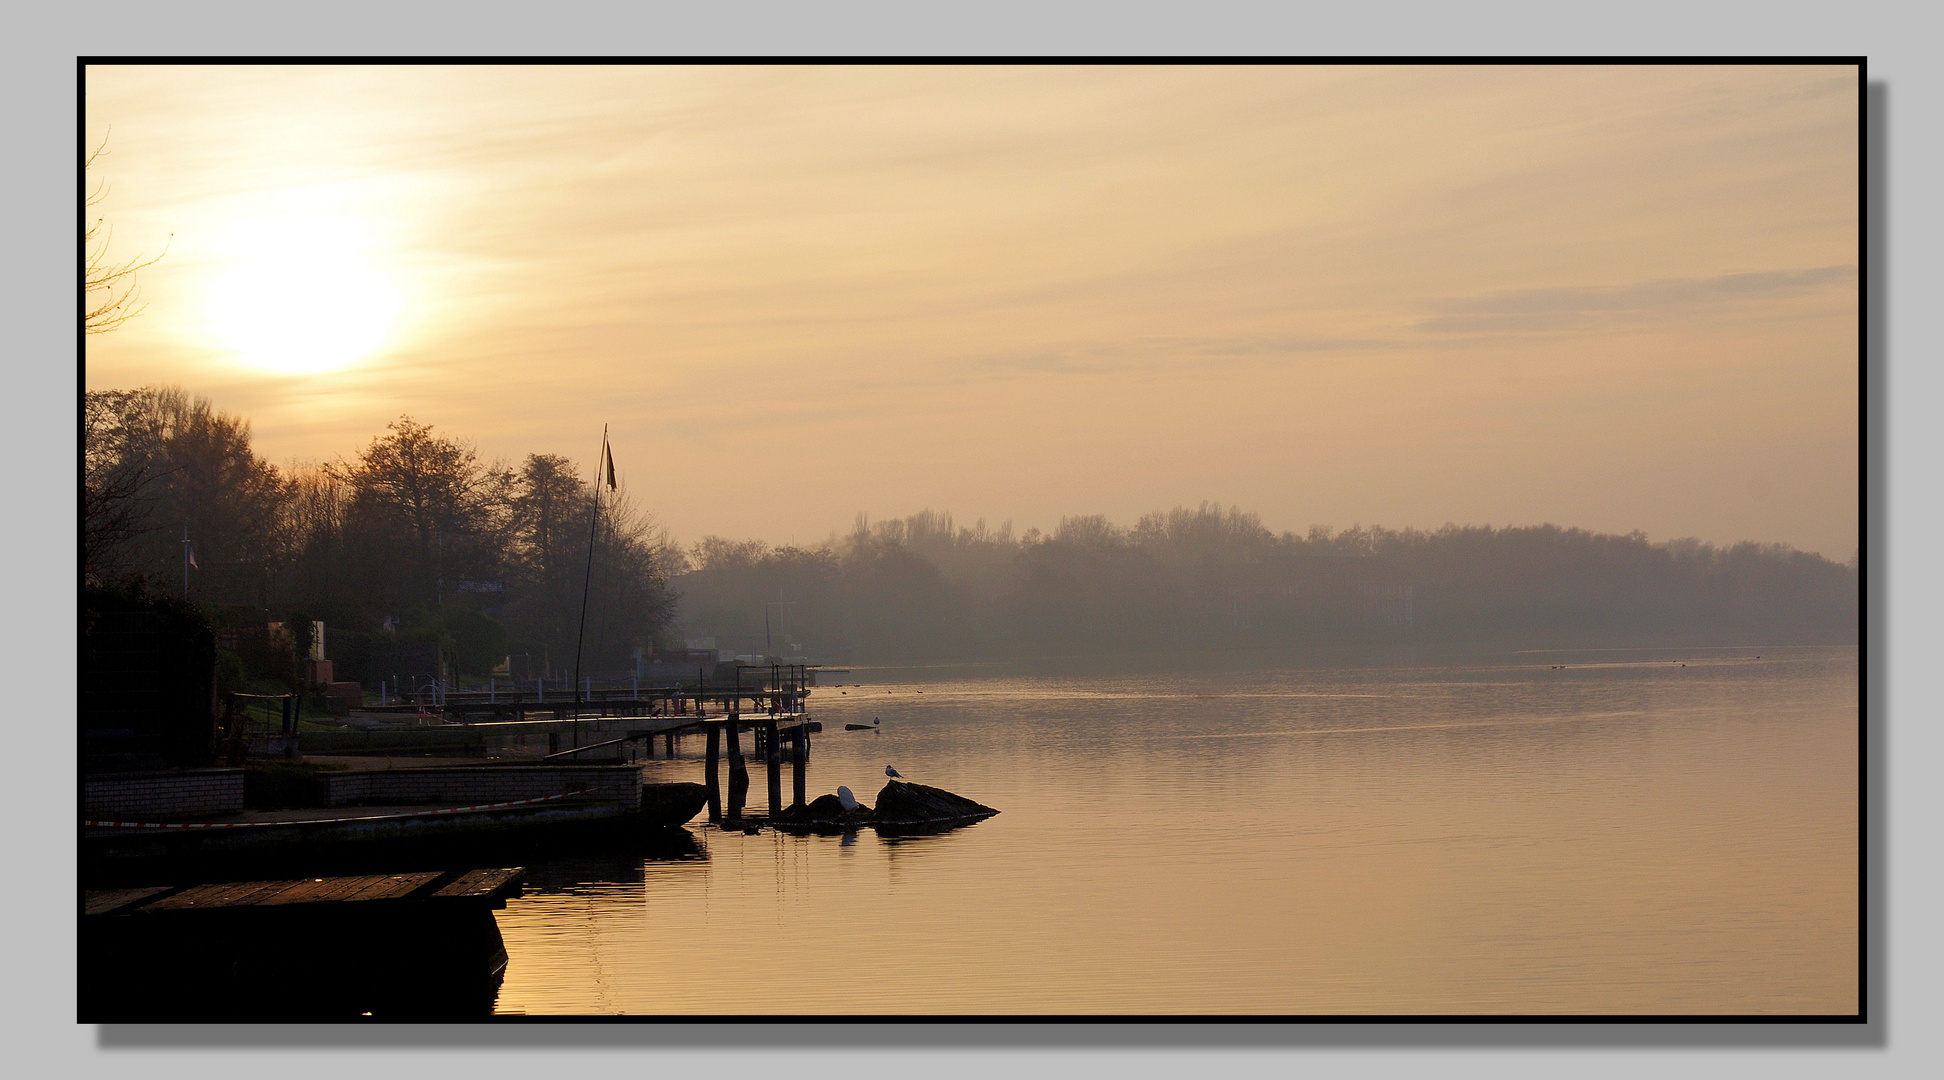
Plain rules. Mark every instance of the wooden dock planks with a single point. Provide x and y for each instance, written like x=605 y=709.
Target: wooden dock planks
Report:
x=484 y=885
x=208 y=897
x=395 y=887
x=404 y=945
x=103 y=901
x=490 y=885
x=348 y=889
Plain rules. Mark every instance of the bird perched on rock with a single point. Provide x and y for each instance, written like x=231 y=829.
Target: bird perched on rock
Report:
x=845 y=797
x=893 y=773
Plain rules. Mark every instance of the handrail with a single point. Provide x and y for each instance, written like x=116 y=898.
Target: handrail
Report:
x=590 y=746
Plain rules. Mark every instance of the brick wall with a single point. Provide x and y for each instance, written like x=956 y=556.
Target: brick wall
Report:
x=147 y=796
x=470 y=785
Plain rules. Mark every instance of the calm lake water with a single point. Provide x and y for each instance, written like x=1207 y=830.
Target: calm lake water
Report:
x=1625 y=835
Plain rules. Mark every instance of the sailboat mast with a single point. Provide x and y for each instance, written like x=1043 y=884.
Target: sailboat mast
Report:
x=593 y=528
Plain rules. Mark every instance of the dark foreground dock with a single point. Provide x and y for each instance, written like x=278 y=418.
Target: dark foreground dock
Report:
x=434 y=810
x=420 y=946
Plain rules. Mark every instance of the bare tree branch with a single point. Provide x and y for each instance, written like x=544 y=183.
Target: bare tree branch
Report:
x=112 y=288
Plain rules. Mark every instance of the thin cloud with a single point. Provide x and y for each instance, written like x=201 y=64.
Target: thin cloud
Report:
x=1567 y=308
x=1161 y=353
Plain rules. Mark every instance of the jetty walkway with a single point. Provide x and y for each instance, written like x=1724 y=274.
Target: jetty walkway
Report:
x=779 y=689
x=421 y=945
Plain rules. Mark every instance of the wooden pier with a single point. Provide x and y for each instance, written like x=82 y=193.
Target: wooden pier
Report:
x=779 y=688
x=406 y=946
x=769 y=736
x=773 y=737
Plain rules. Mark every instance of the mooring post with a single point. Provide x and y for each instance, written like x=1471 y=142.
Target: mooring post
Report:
x=797 y=757
x=712 y=771
x=738 y=772
x=773 y=756
x=669 y=745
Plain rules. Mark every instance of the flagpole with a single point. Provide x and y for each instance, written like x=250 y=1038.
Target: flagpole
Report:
x=594 y=527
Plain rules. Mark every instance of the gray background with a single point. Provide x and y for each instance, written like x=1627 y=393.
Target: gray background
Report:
x=43 y=378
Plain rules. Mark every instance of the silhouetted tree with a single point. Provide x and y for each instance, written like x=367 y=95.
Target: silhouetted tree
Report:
x=431 y=492
x=111 y=287
x=163 y=462
x=114 y=481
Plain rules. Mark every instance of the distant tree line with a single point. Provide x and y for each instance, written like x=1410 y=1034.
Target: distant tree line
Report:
x=415 y=539
x=412 y=539
x=1209 y=579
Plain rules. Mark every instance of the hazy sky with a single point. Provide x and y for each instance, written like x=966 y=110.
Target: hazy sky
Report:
x=1616 y=298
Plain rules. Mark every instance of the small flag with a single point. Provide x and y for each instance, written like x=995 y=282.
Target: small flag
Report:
x=610 y=469
x=192 y=560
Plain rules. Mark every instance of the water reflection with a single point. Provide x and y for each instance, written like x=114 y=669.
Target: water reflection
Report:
x=1617 y=836
x=624 y=864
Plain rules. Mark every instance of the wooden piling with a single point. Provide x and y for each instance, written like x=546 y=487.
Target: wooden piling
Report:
x=714 y=781
x=798 y=754
x=738 y=772
x=668 y=744
x=773 y=756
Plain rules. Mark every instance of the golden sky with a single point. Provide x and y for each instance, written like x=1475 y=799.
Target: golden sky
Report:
x=1610 y=297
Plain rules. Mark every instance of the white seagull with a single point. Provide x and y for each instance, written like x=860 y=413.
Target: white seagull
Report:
x=893 y=773
x=845 y=797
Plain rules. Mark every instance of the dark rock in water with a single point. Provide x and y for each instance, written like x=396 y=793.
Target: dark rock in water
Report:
x=902 y=802
x=903 y=807
x=825 y=810
x=672 y=804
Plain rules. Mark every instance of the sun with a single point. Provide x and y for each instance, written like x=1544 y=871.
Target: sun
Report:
x=301 y=295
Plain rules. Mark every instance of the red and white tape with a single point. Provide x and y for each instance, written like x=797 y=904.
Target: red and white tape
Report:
x=325 y=821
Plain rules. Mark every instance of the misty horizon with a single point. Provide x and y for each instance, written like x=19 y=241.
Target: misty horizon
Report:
x=1033 y=531
x=494 y=557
